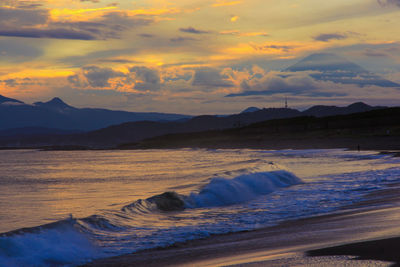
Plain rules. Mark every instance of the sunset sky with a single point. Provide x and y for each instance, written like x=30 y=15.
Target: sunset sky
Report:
x=187 y=56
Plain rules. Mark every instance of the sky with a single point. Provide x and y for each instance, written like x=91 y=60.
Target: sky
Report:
x=194 y=56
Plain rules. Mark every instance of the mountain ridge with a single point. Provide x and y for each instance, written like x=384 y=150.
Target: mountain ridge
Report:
x=4 y=99
x=371 y=130
x=56 y=104
x=58 y=114
x=334 y=68
x=129 y=132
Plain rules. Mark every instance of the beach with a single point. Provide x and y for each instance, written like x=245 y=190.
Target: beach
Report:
x=369 y=236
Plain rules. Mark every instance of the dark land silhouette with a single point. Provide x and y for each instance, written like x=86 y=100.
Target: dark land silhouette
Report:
x=355 y=126
x=56 y=114
x=376 y=129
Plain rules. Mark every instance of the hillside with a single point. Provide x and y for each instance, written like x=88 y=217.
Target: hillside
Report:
x=378 y=129
x=56 y=114
x=132 y=132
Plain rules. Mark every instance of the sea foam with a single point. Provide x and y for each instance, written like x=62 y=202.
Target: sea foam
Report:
x=244 y=188
x=72 y=242
x=56 y=244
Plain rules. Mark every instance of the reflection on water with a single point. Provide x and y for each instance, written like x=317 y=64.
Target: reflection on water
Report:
x=40 y=186
x=105 y=203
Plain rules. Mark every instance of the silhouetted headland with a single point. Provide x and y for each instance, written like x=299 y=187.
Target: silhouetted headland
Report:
x=372 y=130
x=357 y=126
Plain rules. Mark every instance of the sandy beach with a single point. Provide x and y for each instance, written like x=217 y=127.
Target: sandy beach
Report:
x=357 y=235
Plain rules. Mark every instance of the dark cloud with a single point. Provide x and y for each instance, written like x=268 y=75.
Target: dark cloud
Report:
x=278 y=83
x=28 y=4
x=48 y=33
x=185 y=63
x=146 y=78
x=372 y=53
x=282 y=83
x=76 y=81
x=36 y=23
x=10 y=82
x=21 y=17
x=13 y=50
x=326 y=37
x=333 y=68
x=394 y=49
x=193 y=30
x=177 y=77
x=389 y=2
x=22 y=3
x=285 y=48
x=180 y=39
x=211 y=78
x=119 y=20
x=99 y=77
x=117 y=60
x=110 y=25
x=17 y=82
x=146 y=35
x=99 y=56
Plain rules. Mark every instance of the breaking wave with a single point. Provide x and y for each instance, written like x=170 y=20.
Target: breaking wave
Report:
x=244 y=188
x=73 y=241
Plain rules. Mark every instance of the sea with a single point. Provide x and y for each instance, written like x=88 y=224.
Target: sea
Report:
x=67 y=208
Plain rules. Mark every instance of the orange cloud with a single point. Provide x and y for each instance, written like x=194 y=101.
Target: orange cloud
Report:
x=220 y=3
x=252 y=34
x=40 y=73
x=153 y=11
x=66 y=14
x=234 y=18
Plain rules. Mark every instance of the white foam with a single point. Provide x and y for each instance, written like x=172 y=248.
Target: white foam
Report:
x=61 y=245
x=244 y=188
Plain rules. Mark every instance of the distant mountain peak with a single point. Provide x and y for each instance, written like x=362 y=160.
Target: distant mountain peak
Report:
x=56 y=99
x=4 y=99
x=250 y=109
x=359 y=105
x=333 y=68
x=321 y=111
x=55 y=103
x=326 y=62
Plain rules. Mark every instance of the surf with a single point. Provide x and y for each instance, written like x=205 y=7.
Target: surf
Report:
x=74 y=241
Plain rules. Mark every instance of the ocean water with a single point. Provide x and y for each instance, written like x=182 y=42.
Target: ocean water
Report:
x=65 y=208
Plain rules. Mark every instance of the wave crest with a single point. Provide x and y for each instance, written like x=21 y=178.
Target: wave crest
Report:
x=75 y=241
x=168 y=201
x=244 y=188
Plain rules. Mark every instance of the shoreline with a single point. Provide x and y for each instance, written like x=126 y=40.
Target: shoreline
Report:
x=372 y=130
x=362 y=143
x=290 y=242
x=389 y=149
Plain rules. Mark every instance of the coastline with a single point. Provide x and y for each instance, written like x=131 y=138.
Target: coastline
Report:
x=370 y=130
x=384 y=144
x=374 y=219
x=222 y=140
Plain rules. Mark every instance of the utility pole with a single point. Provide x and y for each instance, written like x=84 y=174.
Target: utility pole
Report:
x=286 y=105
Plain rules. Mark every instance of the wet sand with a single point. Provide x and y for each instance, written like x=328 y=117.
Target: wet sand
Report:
x=370 y=227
